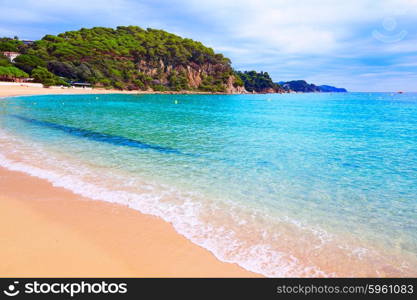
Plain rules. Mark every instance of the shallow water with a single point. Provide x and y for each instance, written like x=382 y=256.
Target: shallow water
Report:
x=284 y=185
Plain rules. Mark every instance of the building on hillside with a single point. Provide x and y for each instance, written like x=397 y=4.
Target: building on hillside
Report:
x=11 y=55
x=81 y=85
x=27 y=42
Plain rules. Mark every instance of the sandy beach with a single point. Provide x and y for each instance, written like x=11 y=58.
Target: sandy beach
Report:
x=22 y=90
x=51 y=232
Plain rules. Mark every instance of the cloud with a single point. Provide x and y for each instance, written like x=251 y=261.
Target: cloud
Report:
x=322 y=41
x=305 y=26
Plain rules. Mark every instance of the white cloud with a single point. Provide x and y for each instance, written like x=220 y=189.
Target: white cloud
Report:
x=288 y=27
x=300 y=27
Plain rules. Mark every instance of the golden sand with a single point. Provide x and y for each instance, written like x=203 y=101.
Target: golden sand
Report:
x=49 y=231
x=11 y=90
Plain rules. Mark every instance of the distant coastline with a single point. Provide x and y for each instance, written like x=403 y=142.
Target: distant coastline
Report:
x=130 y=58
x=8 y=89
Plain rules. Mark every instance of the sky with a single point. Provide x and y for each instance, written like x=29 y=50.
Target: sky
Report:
x=362 y=45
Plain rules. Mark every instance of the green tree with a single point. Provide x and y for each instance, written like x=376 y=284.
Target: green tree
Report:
x=4 y=61
x=42 y=75
x=178 y=82
x=28 y=62
x=258 y=82
x=10 y=72
x=8 y=44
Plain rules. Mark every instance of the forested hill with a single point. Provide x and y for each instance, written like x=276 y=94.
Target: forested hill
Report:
x=259 y=82
x=301 y=86
x=128 y=58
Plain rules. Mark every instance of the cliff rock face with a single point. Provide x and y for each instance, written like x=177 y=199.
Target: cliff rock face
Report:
x=233 y=88
x=193 y=73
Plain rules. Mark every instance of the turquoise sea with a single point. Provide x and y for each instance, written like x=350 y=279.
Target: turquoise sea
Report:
x=282 y=184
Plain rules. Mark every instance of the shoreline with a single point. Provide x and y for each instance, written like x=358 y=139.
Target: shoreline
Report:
x=52 y=232
x=48 y=231
x=23 y=90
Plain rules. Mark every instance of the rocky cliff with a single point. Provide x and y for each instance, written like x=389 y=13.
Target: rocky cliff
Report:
x=196 y=76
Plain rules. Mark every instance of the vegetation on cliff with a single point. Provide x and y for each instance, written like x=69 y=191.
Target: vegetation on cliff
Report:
x=10 y=45
x=259 y=82
x=4 y=61
x=126 y=58
x=48 y=79
x=9 y=71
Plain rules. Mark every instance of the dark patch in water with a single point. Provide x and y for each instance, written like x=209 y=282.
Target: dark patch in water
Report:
x=350 y=165
x=102 y=137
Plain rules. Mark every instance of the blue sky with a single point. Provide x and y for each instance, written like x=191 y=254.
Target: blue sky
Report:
x=362 y=45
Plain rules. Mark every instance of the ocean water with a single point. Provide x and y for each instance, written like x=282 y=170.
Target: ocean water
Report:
x=284 y=185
